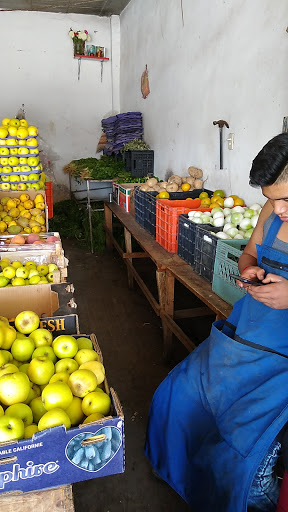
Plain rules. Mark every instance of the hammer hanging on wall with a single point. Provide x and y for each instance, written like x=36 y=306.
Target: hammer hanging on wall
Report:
x=221 y=124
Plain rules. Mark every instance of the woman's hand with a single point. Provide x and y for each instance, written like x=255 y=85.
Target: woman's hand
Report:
x=253 y=273
x=274 y=294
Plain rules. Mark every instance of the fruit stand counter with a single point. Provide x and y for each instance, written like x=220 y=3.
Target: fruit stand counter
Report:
x=168 y=268
x=60 y=499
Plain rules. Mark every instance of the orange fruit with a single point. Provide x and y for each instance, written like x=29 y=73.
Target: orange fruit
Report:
x=238 y=201
x=213 y=205
x=185 y=187
x=206 y=201
x=189 y=199
x=163 y=195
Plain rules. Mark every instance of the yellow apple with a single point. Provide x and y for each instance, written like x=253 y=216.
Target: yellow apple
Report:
x=54 y=418
x=97 y=368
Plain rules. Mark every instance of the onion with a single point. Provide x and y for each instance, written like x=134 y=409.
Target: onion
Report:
x=238 y=209
x=236 y=218
x=228 y=202
x=245 y=224
x=238 y=237
x=197 y=214
x=216 y=209
x=218 y=222
x=255 y=207
x=249 y=213
x=197 y=220
x=227 y=211
x=222 y=235
x=248 y=233
x=232 y=232
x=254 y=220
x=218 y=214
x=228 y=218
x=206 y=219
x=227 y=226
x=191 y=214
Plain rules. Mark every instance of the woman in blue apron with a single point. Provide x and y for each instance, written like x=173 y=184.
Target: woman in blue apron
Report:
x=214 y=421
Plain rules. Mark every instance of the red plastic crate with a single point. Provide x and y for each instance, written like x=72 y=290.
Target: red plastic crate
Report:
x=49 y=198
x=167 y=217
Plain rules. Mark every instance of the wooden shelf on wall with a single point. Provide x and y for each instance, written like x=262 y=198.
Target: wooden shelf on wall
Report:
x=90 y=57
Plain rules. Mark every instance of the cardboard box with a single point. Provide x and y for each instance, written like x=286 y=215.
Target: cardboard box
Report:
x=55 y=247
x=126 y=192
x=41 y=257
x=56 y=456
x=32 y=193
x=45 y=300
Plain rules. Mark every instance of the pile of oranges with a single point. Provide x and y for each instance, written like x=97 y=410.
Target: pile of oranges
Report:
x=217 y=199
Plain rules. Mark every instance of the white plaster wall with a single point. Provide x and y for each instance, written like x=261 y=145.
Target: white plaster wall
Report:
x=226 y=59
x=38 y=69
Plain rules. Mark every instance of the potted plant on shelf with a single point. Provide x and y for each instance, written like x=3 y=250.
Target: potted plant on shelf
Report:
x=79 y=37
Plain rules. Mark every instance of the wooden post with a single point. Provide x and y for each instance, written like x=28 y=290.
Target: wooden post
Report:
x=108 y=225
x=128 y=250
x=165 y=284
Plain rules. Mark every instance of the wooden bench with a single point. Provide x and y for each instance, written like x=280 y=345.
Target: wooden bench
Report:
x=59 y=499
x=168 y=268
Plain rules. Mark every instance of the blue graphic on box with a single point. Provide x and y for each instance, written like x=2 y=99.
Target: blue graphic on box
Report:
x=43 y=462
x=94 y=455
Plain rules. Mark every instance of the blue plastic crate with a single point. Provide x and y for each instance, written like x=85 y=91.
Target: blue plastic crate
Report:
x=186 y=239
x=228 y=253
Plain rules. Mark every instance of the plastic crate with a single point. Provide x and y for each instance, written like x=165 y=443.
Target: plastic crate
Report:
x=226 y=262
x=205 y=250
x=167 y=215
x=139 y=205
x=49 y=198
x=139 y=163
x=186 y=239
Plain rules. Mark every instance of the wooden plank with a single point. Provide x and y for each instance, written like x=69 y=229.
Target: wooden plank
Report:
x=128 y=248
x=202 y=289
x=60 y=499
x=177 y=331
x=144 y=288
x=136 y=255
x=157 y=253
x=108 y=226
x=192 y=313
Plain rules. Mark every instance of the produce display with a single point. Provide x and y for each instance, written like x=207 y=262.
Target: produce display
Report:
x=20 y=166
x=175 y=183
x=22 y=215
x=45 y=383
x=16 y=273
x=237 y=221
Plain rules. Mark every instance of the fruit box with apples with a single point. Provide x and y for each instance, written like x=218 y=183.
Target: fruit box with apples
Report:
x=56 y=456
x=32 y=194
x=42 y=257
x=50 y=242
x=47 y=301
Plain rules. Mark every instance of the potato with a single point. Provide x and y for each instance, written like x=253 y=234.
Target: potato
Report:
x=175 y=179
x=151 y=182
x=172 y=187
x=190 y=180
x=144 y=188
x=198 y=184
x=195 y=172
x=156 y=188
x=163 y=184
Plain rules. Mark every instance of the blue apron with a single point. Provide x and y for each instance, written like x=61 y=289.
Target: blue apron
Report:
x=215 y=415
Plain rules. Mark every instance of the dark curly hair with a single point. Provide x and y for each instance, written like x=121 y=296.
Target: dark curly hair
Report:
x=271 y=164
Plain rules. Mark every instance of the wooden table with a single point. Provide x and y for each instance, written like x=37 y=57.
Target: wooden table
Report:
x=168 y=268
x=59 y=499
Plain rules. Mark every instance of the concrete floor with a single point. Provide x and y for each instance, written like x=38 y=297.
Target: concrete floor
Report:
x=130 y=336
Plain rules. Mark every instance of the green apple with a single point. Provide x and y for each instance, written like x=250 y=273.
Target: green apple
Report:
x=30 y=265
x=23 y=151
x=11 y=429
x=17 y=169
x=14 y=178
x=30 y=431
x=82 y=382
x=59 y=377
x=43 y=280
x=6 y=169
x=35 y=186
x=18 y=281
x=21 y=411
x=54 y=418
x=43 y=269
x=4 y=160
x=22 y=272
x=67 y=365
x=30 y=396
x=23 y=177
x=41 y=337
x=45 y=351
x=84 y=355
x=13 y=151
x=23 y=161
x=96 y=402
x=1 y=411
x=17 y=264
x=40 y=370
x=14 y=388
x=8 y=368
x=13 y=186
x=84 y=343
x=4 y=151
x=49 y=277
x=3 y=281
x=33 y=272
x=34 y=279
x=13 y=160
x=33 y=160
x=9 y=272
x=21 y=336
x=24 y=368
x=33 y=177
x=97 y=368
x=7 y=335
x=26 y=168
x=21 y=186
x=65 y=346
x=37 y=408
x=34 y=151
x=6 y=356
x=57 y=394
x=26 y=322
x=93 y=417
x=52 y=267
x=75 y=412
x=22 y=350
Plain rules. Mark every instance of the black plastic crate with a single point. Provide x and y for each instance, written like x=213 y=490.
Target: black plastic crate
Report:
x=205 y=250
x=186 y=239
x=139 y=163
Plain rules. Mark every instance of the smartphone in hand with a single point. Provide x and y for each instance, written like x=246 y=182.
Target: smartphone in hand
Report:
x=247 y=281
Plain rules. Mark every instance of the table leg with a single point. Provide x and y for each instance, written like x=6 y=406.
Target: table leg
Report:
x=109 y=226
x=128 y=249
x=166 y=284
